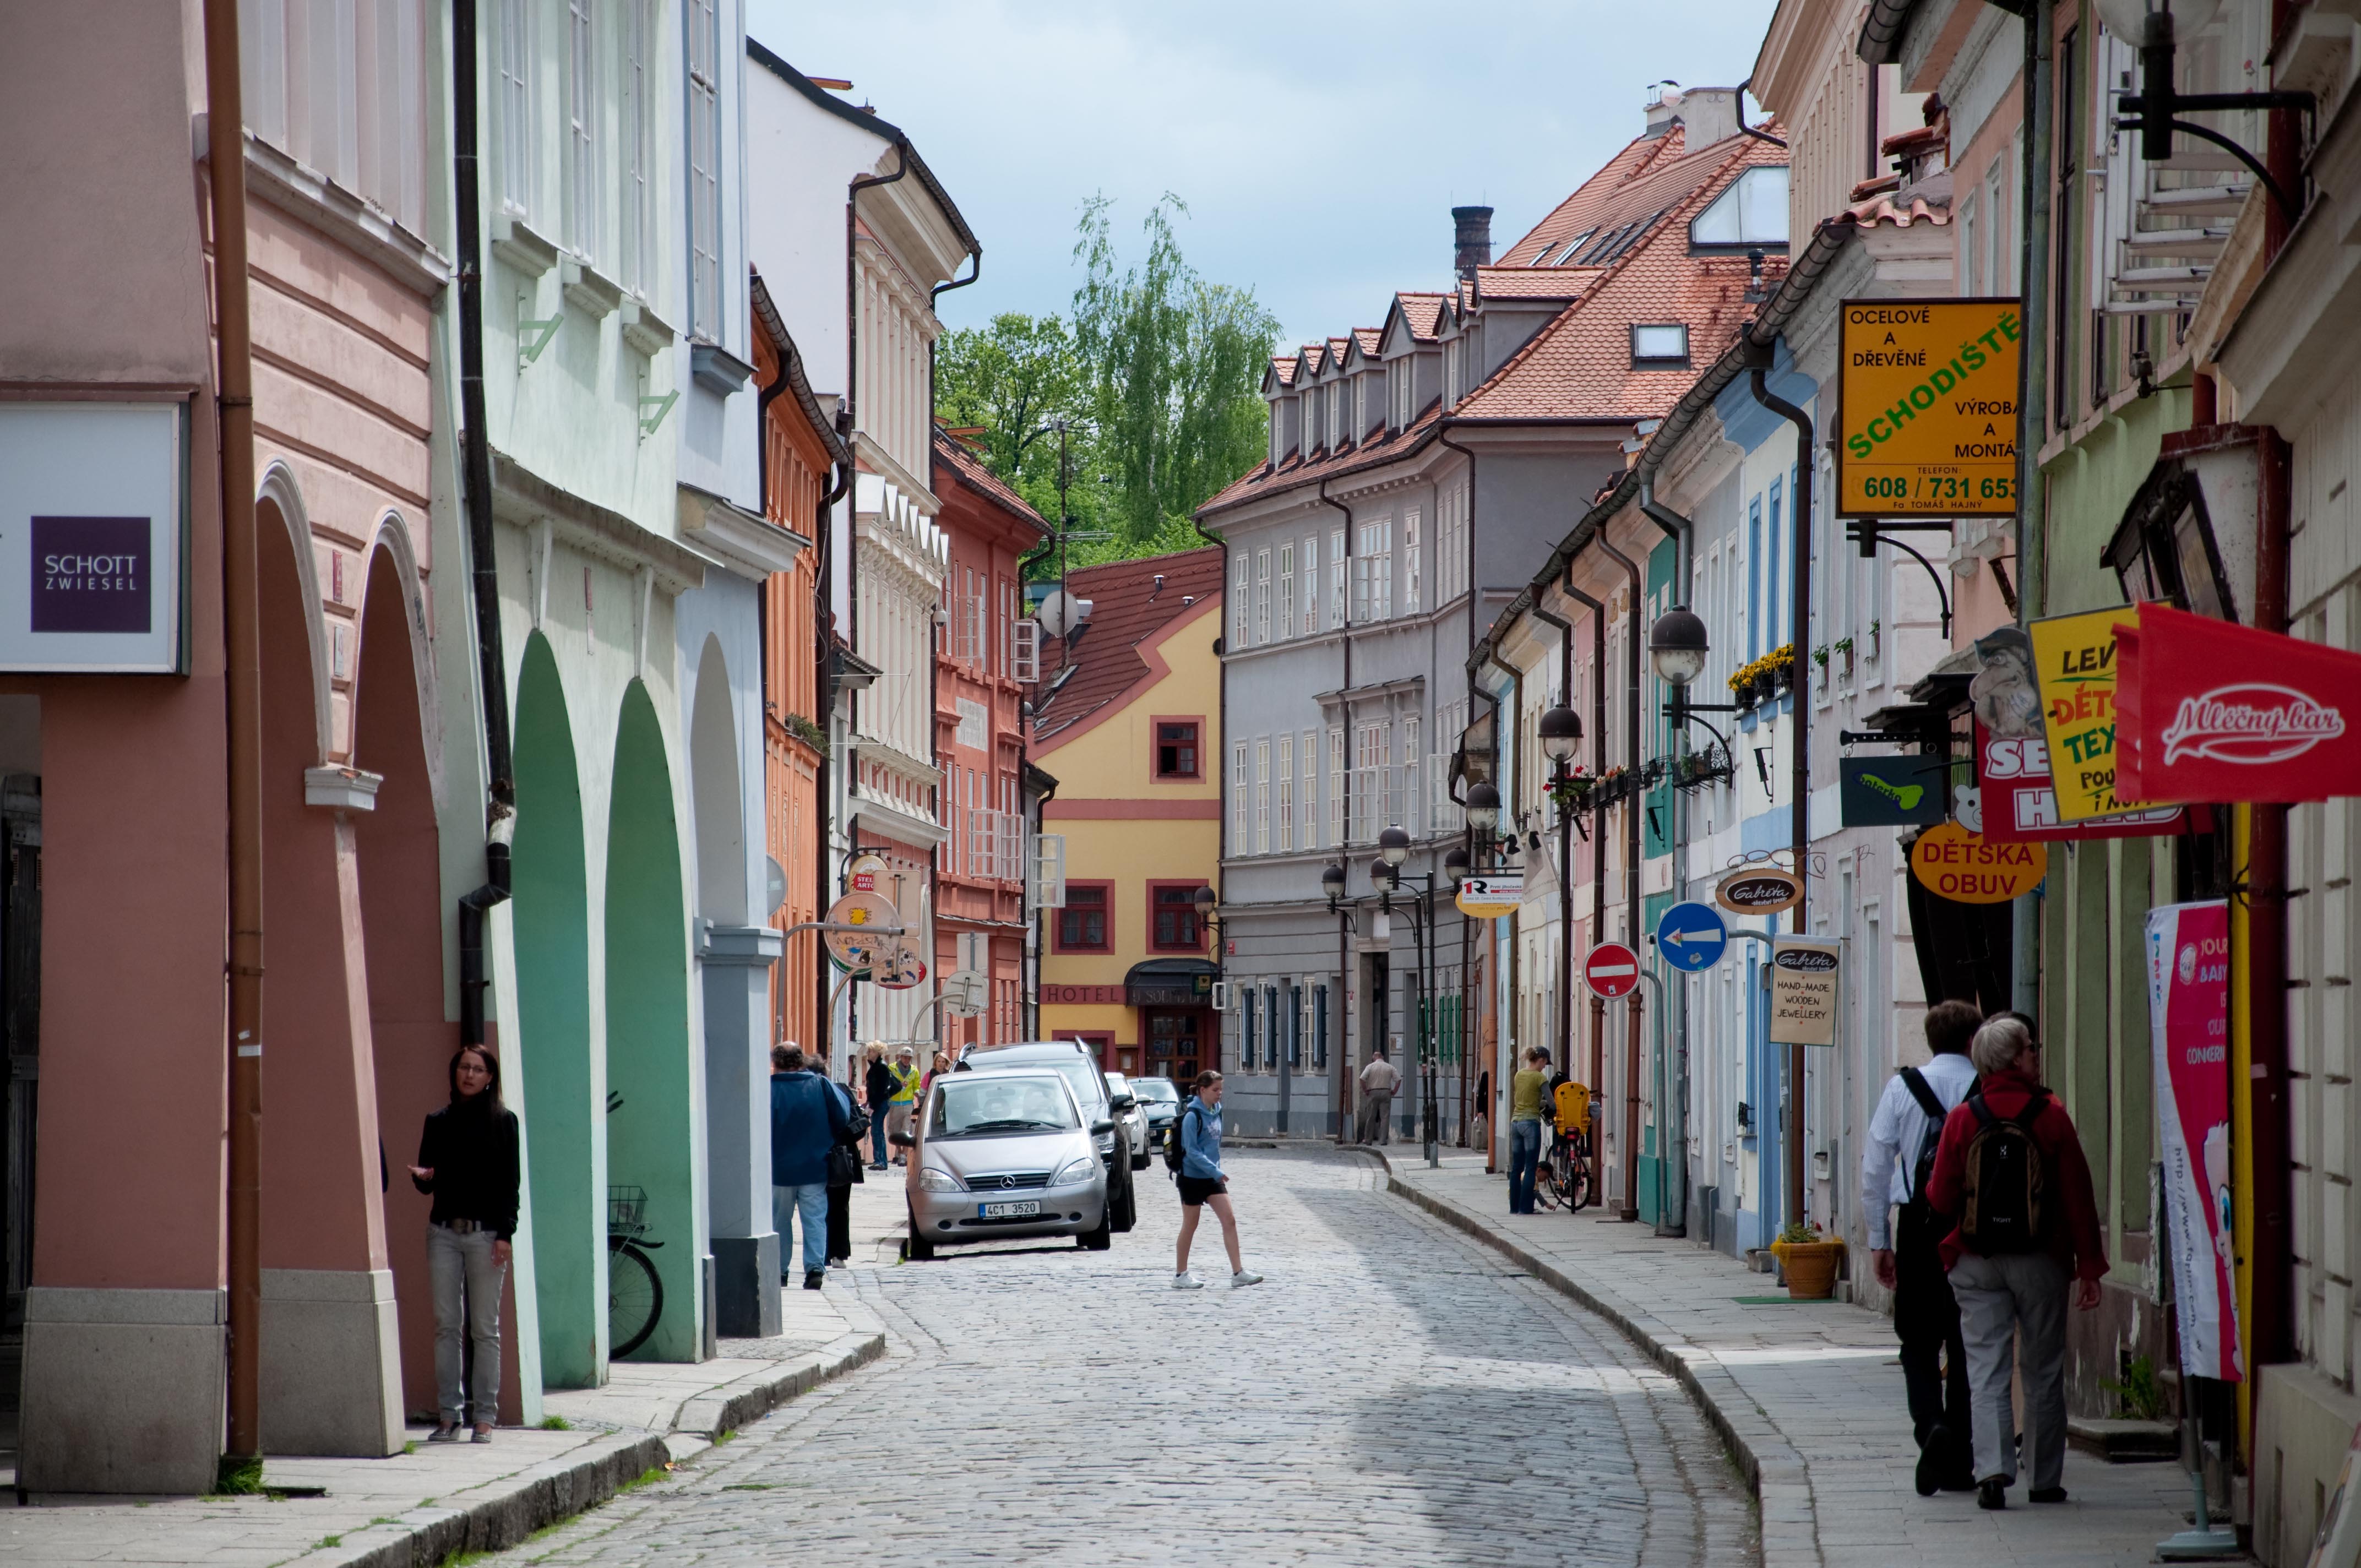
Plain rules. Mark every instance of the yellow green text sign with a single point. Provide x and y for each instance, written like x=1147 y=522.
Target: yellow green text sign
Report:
x=1926 y=408
x=2074 y=659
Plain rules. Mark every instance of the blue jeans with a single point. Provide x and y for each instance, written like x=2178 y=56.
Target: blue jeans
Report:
x=877 y=1136
x=810 y=1200
x=1524 y=1162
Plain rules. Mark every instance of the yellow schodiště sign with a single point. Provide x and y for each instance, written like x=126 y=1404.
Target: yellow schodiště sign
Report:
x=1926 y=408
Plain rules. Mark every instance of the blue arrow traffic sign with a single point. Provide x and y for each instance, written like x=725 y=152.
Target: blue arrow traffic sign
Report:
x=1692 y=937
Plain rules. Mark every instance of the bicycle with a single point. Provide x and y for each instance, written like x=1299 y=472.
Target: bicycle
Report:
x=1563 y=1180
x=634 y=1290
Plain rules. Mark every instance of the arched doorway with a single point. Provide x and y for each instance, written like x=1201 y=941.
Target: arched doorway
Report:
x=562 y=1066
x=652 y=1134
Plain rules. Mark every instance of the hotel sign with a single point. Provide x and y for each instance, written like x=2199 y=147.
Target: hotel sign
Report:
x=1926 y=408
x=94 y=519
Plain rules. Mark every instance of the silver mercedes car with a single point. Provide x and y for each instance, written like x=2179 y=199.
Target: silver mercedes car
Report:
x=1003 y=1154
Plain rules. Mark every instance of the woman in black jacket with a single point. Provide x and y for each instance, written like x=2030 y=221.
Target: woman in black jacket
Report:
x=877 y=1087
x=467 y=1159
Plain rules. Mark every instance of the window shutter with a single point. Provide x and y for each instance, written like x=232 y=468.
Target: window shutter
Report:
x=1049 y=880
x=1025 y=653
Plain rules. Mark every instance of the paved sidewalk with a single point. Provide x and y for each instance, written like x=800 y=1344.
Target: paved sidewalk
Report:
x=421 y=1507
x=1808 y=1396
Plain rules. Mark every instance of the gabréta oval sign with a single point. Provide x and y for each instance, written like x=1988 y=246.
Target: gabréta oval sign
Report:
x=1757 y=890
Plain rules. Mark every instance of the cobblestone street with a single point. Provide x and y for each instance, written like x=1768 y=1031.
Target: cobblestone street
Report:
x=1380 y=1398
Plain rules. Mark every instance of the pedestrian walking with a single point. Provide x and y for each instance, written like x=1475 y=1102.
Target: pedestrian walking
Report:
x=935 y=1070
x=1906 y=1256
x=1480 y=1133
x=1379 y=1079
x=468 y=1161
x=1526 y=1091
x=1202 y=1185
x=877 y=1084
x=807 y=1121
x=2010 y=1169
x=844 y=1172
x=906 y=1097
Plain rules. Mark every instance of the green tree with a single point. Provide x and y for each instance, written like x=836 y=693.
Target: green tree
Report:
x=1012 y=380
x=1175 y=367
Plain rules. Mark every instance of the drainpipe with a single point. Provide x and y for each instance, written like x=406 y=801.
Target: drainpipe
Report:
x=2033 y=405
x=1681 y=531
x=934 y=295
x=1630 y=1210
x=934 y=677
x=234 y=395
x=846 y=410
x=1466 y=935
x=1800 y=786
x=1564 y=856
x=1338 y=1072
x=1504 y=963
x=1597 y=845
x=823 y=708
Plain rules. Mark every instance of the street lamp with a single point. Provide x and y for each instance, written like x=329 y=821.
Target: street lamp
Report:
x=2155 y=27
x=1677 y=646
x=1454 y=864
x=1561 y=731
x=1207 y=901
x=1394 y=845
x=1483 y=808
x=1331 y=882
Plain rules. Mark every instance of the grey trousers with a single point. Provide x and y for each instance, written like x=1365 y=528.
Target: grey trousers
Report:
x=1378 y=1117
x=2013 y=1308
x=466 y=1300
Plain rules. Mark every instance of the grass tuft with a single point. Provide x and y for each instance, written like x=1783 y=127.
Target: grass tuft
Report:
x=555 y=1423
x=239 y=1477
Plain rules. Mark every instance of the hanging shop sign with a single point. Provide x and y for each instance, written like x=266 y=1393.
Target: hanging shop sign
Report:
x=1926 y=408
x=1967 y=868
x=1488 y=896
x=897 y=964
x=855 y=952
x=1805 y=975
x=2074 y=658
x=862 y=874
x=1889 y=792
x=2017 y=803
x=2217 y=711
x=1757 y=890
x=94 y=520
x=2189 y=1023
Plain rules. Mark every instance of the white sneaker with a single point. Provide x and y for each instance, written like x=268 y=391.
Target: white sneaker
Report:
x=1186 y=1281
x=1245 y=1276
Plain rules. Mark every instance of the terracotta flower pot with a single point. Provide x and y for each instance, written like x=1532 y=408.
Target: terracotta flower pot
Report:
x=1811 y=1268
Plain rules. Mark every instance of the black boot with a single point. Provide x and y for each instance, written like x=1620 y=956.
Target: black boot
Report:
x=1992 y=1494
x=814 y=1279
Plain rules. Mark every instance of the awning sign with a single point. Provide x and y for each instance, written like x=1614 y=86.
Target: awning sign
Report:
x=1926 y=408
x=2218 y=711
x=1804 y=975
x=2012 y=774
x=2074 y=658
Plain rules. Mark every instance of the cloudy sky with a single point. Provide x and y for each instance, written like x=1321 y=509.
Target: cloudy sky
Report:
x=1319 y=146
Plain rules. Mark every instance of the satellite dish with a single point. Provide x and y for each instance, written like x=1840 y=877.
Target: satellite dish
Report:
x=1061 y=612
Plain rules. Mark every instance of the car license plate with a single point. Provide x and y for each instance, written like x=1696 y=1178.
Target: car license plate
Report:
x=1007 y=1210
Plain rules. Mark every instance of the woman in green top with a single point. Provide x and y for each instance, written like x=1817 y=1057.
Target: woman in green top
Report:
x=1525 y=1092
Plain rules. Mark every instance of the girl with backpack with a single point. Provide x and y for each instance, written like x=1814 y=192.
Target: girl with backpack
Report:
x=2010 y=1172
x=1197 y=1134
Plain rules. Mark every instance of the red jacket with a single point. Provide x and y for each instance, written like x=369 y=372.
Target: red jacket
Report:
x=2075 y=1239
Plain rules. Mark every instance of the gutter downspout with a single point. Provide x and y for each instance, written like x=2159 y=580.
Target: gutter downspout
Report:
x=1800 y=786
x=1564 y=1054
x=823 y=712
x=492 y=666
x=1598 y=847
x=1630 y=1211
x=1468 y=935
x=934 y=674
x=1504 y=954
x=2033 y=403
x=241 y=594
x=1681 y=531
x=1340 y=1070
x=847 y=410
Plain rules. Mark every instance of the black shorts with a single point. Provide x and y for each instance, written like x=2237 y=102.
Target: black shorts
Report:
x=1195 y=1190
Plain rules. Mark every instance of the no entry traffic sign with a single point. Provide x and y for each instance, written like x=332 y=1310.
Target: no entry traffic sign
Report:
x=1612 y=970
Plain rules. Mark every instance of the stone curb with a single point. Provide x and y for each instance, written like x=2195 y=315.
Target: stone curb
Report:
x=502 y=1513
x=1774 y=1472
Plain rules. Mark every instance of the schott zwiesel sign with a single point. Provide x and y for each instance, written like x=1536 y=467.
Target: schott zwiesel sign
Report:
x=91 y=523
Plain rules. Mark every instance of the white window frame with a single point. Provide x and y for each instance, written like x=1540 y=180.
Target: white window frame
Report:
x=515 y=105
x=1410 y=563
x=1262 y=597
x=1239 y=606
x=703 y=20
x=1336 y=785
x=1311 y=584
x=1335 y=401
x=1336 y=559
x=1238 y=797
x=1262 y=796
x=1410 y=780
x=636 y=176
x=1307 y=766
x=584 y=135
x=1283 y=807
x=1286 y=588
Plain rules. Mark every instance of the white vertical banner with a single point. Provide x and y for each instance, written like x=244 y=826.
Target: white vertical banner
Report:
x=2189 y=1019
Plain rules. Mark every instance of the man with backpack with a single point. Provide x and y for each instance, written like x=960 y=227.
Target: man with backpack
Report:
x=1903 y=1137
x=2010 y=1170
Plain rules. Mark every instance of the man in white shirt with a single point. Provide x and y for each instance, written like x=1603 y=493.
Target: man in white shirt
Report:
x=1900 y=1146
x=1379 y=1079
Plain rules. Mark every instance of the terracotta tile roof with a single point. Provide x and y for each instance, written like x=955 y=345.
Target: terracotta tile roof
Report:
x=1283 y=367
x=962 y=460
x=1649 y=174
x=1882 y=208
x=1126 y=609
x=1313 y=358
x=1533 y=282
x=1422 y=313
x=1384 y=448
x=1369 y=337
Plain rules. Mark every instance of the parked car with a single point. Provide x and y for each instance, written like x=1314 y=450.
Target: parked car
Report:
x=1080 y=1068
x=1160 y=1099
x=1001 y=1155
x=1131 y=1116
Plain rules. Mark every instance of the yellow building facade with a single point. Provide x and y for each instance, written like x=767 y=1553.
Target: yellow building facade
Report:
x=1129 y=723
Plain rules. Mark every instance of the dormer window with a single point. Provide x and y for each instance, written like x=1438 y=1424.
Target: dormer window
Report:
x=1278 y=433
x=1451 y=373
x=1309 y=437
x=1400 y=374
x=1335 y=416
x=1660 y=347
x=1751 y=211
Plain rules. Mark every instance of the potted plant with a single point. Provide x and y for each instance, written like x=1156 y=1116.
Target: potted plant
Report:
x=1844 y=646
x=1570 y=791
x=1821 y=658
x=1810 y=1261
x=1782 y=663
x=1876 y=639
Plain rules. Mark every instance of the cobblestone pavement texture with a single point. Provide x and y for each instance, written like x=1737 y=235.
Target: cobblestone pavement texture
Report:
x=1395 y=1392
x=1814 y=1391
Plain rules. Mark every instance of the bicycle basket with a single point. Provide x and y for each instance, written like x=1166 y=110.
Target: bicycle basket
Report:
x=626 y=1210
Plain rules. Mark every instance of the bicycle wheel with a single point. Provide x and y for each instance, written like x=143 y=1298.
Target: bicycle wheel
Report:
x=635 y=1299
x=1547 y=1192
x=1577 y=1179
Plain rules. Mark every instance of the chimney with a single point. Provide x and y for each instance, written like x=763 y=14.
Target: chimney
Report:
x=1472 y=239
x=1709 y=115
